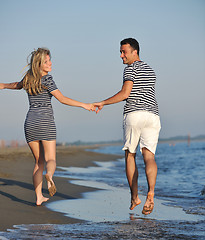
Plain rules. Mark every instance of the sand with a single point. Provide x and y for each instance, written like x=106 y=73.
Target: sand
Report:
x=17 y=197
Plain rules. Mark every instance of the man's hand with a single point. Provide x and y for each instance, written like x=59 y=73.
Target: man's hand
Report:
x=98 y=106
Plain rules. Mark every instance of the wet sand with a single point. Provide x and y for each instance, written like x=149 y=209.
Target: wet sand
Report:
x=17 y=197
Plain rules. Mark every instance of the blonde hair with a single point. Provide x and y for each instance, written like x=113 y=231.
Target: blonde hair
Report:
x=32 y=79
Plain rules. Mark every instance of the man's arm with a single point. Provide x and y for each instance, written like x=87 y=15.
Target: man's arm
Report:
x=118 y=97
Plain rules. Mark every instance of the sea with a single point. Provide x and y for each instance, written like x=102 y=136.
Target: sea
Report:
x=179 y=211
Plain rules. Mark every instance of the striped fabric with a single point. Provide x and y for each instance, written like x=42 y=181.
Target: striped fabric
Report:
x=39 y=123
x=142 y=96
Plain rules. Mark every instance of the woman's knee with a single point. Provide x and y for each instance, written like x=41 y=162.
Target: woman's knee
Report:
x=40 y=163
x=49 y=150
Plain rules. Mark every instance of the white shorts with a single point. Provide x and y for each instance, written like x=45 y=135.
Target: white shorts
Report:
x=141 y=127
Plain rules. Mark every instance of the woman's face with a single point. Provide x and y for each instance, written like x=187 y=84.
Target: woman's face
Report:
x=46 y=66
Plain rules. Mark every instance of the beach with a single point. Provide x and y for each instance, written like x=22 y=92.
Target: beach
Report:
x=17 y=197
x=93 y=198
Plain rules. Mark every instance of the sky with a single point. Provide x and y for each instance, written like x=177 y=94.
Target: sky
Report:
x=84 y=39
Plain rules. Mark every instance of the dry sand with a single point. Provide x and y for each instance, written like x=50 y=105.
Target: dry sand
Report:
x=17 y=197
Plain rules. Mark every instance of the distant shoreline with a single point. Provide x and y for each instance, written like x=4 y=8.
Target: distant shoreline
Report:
x=120 y=142
x=171 y=140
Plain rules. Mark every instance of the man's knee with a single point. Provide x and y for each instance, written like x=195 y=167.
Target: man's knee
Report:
x=148 y=155
x=128 y=153
x=129 y=156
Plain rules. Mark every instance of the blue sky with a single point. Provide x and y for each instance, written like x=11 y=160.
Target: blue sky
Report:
x=84 y=36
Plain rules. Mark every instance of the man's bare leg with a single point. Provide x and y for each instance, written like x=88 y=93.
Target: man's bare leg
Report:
x=132 y=177
x=151 y=174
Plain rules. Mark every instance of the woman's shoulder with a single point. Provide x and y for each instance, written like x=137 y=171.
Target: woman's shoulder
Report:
x=47 y=77
x=48 y=82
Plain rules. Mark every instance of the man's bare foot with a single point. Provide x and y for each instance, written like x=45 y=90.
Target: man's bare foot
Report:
x=149 y=204
x=51 y=185
x=134 y=203
x=39 y=201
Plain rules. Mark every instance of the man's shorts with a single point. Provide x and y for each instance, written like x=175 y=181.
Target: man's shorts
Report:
x=141 y=127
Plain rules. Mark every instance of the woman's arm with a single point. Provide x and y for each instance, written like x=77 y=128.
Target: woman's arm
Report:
x=13 y=85
x=71 y=102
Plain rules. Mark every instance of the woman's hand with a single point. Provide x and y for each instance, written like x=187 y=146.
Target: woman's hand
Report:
x=89 y=107
x=13 y=85
x=1 y=85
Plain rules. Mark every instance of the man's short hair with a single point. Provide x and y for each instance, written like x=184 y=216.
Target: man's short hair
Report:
x=133 y=43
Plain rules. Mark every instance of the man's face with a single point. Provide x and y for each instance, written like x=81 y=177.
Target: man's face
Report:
x=128 y=54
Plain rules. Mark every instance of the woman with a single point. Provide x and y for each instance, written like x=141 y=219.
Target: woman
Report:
x=39 y=127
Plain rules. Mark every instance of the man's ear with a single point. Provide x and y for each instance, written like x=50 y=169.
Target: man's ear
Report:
x=135 y=51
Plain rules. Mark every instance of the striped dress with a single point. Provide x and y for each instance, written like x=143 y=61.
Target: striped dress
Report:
x=39 y=123
x=142 y=96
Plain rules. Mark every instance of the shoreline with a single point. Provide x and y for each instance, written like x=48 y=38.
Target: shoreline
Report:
x=17 y=197
x=87 y=202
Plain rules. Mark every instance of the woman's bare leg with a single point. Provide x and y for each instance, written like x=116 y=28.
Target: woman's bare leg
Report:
x=38 y=153
x=50 y=158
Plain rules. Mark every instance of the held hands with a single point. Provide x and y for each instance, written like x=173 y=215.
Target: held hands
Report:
x=98 y=106
x=94 y=107
x=89 y=107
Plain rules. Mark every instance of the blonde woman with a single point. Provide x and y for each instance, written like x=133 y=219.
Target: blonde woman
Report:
x=39 y=127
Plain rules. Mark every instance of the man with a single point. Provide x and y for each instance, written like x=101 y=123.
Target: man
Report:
x=141 y=122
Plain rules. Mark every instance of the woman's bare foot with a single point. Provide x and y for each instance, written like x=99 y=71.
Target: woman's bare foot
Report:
x=51 y=185
x=40 y=200
x=134 y=203
x=149 y=204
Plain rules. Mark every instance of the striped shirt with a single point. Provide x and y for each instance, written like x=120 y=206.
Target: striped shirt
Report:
x=42 y=101
x=39 y=123
x=142 y=96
